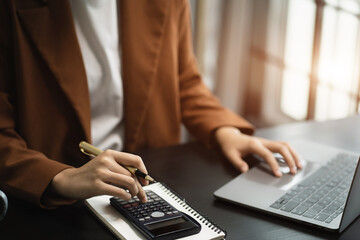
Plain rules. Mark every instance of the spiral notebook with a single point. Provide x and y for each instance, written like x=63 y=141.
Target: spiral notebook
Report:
x=123 y=229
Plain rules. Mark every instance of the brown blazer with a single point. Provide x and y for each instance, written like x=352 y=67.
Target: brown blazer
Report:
x=44 y=100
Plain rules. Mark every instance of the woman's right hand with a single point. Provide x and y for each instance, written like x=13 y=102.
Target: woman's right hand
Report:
x=103 y=175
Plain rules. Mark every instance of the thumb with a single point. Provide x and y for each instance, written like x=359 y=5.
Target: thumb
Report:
x=234 y=157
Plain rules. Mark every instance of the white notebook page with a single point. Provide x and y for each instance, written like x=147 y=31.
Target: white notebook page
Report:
x=123 y=229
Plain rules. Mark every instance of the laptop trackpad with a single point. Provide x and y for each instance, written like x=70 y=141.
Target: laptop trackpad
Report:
x=262 y=174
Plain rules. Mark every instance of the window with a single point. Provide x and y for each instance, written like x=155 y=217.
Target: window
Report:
x=298 y=58
x=277 y=61
x=321 y=59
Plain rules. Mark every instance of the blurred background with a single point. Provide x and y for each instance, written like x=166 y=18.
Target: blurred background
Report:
x=279 y=61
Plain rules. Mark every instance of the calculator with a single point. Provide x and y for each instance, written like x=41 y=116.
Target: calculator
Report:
x=156 y=218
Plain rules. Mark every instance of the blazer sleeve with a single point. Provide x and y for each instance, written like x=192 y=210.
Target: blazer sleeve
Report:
x=201 y=111
x=24 y=172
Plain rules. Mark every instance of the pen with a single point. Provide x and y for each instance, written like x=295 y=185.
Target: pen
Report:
x=92 y=151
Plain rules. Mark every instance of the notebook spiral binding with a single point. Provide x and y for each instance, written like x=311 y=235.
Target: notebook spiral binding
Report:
x=198 y=215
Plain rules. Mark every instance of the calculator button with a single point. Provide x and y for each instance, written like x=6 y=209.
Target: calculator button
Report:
x=157 y=214
x=141 y=219
x=175 y=212
x=147 y=218
x=168 y=213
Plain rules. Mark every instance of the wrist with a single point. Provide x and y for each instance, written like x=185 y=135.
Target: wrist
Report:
x=58 y=183
x=53 y=195
x=222 y=133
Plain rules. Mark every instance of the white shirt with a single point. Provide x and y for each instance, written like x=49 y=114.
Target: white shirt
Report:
x=96 y=24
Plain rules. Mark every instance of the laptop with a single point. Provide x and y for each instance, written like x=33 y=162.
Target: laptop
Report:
x=325 y=193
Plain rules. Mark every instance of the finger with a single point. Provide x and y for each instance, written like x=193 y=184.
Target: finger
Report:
x=107 y=189
x=267 y=155
x=295 y=156
x=128 y=159
x=141 y=194
x=284 y=151
x=143 y=181
x=136 y=161
x=114 y=166
x=289 y=160
x=235 y=158
x=106 y=160
x=128 y=182
x=117 y=168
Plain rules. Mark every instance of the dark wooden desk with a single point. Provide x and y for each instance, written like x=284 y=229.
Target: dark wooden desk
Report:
x=193 y=172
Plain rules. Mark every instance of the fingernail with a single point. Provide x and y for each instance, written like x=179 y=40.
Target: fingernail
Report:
x=294 y=170
x=278 y=173
x=127 y=197
x=243 y=168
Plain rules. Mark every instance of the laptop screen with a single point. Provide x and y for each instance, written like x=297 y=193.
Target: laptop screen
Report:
x=352 y=206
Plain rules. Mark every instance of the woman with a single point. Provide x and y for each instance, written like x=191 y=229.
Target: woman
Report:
x=119 y=74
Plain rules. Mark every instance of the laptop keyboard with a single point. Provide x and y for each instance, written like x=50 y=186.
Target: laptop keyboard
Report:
x=321 y=196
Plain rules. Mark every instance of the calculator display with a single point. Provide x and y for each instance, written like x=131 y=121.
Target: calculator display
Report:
x=170 y=226
x=156 y=218
x=164 y=223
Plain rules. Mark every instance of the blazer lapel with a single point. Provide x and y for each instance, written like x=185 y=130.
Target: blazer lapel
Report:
x=141 y=25
x=53 y=33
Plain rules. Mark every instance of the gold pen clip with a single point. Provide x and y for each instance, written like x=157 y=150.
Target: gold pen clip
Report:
x=88 y=149
x=85 y=152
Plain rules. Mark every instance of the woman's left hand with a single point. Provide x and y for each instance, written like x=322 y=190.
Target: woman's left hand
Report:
x=236 y=145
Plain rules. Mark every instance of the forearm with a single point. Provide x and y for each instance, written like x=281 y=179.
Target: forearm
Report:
x=25 y=172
